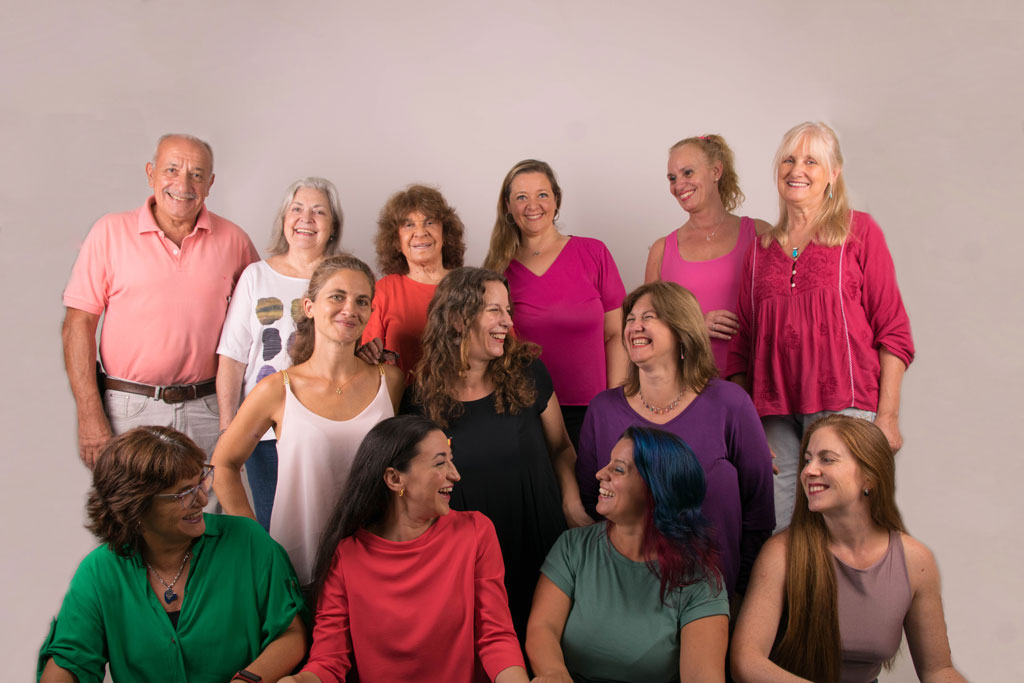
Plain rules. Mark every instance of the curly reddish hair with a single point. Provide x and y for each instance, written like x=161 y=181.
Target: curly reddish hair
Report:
x=431 y=203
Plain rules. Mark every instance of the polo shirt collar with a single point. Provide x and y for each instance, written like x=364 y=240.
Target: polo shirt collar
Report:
x=147 y=222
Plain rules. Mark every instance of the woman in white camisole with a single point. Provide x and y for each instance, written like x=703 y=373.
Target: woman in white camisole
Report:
x=320 y=410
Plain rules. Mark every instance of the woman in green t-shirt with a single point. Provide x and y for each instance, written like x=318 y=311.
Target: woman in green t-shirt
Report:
x=638 y=597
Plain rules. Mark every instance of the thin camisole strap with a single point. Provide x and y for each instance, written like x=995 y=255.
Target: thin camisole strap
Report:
x=284 y=373
x=380 y=369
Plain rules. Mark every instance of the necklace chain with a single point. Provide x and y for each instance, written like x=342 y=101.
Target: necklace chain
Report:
x=661 y=411
x=169 y=594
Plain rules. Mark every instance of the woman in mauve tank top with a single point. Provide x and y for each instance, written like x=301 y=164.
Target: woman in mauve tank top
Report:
x=832 y=596
x=705 y=255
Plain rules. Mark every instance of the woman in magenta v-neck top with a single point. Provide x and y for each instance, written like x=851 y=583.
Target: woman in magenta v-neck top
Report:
x=565 y=291
x=705 y=255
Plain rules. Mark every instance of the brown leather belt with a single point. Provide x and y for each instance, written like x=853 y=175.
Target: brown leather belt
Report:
x=171 y=394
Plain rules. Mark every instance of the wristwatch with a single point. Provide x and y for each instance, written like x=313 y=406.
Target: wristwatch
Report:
x=244 y=675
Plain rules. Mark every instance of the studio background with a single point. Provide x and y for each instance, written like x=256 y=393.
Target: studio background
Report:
x=925 y=96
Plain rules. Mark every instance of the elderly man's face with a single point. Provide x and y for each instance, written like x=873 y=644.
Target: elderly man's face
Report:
x=181 y=178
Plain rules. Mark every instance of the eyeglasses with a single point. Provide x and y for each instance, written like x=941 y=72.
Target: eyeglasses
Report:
x=188 y=498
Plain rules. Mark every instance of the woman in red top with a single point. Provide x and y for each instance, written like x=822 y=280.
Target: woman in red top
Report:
x=406 y=589
x=822 y=327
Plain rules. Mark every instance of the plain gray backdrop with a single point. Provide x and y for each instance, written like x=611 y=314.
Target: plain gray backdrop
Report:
x=926 y=97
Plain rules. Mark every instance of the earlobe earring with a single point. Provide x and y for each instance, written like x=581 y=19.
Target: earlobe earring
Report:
x=401 y=492
x=867 y=492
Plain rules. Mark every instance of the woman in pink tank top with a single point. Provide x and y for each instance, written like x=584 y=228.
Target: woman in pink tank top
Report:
x=705 y=255
x=319 y=409
x=845 y=580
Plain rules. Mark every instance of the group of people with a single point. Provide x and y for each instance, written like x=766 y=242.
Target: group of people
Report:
x=570 y=474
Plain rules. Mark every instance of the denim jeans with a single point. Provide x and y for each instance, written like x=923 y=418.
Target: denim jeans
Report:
x=262 y=469
x=784 y=434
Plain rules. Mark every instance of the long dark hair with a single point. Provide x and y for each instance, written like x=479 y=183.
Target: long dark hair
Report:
x=393 y=442
x=675 y=530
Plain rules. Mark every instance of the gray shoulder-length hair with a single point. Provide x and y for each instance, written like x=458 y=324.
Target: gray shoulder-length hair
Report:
x=278 y=243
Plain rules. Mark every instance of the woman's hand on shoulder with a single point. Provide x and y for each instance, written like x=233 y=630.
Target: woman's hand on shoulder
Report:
x=372 y=351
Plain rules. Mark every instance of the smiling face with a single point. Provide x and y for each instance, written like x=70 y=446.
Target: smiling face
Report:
x=429 y=479
x=803 y=177
x=493 y=323
x=421 y=239
x=532 y=203
x=167 y=522
x=831 y=477
x=342 y=306
x=308 y=222
x=691 y=179
x=646 y=336
x=181 y=176
x=622 y=493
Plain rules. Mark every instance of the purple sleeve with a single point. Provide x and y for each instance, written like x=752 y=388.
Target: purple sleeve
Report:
x=883 y=304
x=749 y=453
x=586 y=459
x=739 y=347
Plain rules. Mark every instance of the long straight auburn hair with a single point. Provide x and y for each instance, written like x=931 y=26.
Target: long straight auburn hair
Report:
x=810 y=645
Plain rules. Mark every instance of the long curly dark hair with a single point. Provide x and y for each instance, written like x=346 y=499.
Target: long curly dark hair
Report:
x=457 y=302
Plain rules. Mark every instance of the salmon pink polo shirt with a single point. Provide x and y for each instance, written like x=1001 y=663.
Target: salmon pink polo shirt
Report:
x=163 y=305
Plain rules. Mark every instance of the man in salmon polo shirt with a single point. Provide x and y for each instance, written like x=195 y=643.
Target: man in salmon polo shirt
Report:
x=161 y=276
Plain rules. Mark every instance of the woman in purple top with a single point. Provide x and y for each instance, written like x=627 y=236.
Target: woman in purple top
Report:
x=832 y=595
x=565 y=290
x=672 y=386
x=705 y=255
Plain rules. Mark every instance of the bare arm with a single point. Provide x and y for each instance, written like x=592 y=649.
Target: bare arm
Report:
x=79 y=337
x=230 y=375
x=654 y=258
x=303 y=677
x=283 y=654
x=890 y=382
x=54 y=674
x=702 y=646
x=395 y=378
x=234 y=447
x=544 y=632
x=616 y=359
x=512 y=674
x=759 y=618
x=563 y=460
x=925 y=623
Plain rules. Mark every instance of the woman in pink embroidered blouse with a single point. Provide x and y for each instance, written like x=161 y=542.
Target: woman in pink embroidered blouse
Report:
x=705 y=255
x=822 y=327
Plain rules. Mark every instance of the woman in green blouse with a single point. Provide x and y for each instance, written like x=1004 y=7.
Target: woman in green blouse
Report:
x=173 y=594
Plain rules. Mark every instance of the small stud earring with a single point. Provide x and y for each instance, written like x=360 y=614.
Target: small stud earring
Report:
x=867 y=492
x=402 y=493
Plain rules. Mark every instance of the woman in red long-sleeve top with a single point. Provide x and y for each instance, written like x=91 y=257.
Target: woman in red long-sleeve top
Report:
x=407 y=589
x=822 y=327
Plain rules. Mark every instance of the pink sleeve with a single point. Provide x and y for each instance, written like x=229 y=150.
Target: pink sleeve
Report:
x=739 y=347
x=883 y=304
x=330 y=657
x=496 y=642
x=609 y=282
x=89 y=285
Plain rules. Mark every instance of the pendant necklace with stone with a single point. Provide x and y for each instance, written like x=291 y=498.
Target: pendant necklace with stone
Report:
x=169 y=594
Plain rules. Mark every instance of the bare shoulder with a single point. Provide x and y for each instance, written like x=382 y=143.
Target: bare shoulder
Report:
x=659 y=246
x=270 y=388
x=761 y=227
x=921 y=567
x=395 y=379
x=773 y=552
